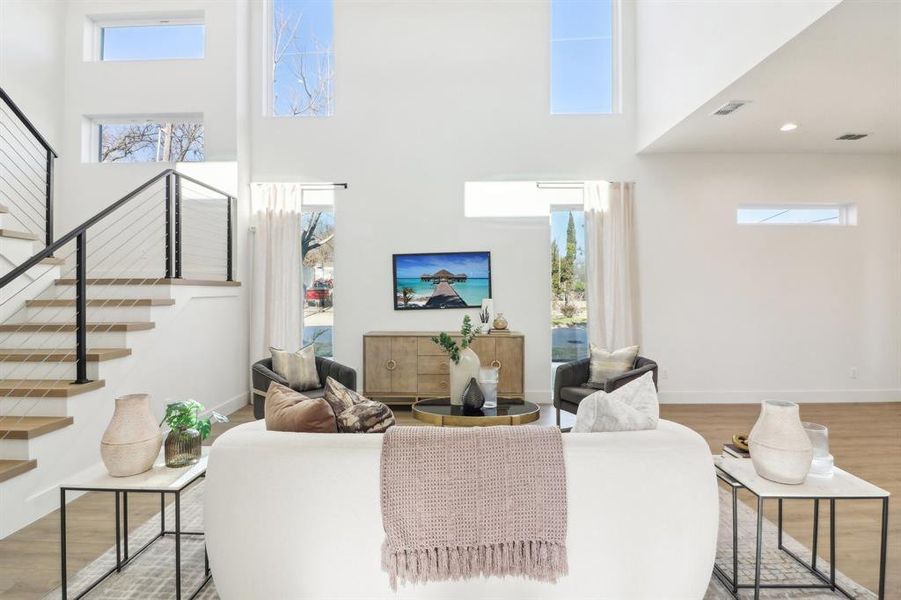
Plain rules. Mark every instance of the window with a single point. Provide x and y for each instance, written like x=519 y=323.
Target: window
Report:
x=163 y=139
x=812 y=214
x=318 y=247
x=149 y=39
x=569 y=312
x=583 y=74
x=303 y=59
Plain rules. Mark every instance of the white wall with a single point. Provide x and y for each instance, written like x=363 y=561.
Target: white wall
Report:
x=31 y=61
x=689 y=50
x=431 y=95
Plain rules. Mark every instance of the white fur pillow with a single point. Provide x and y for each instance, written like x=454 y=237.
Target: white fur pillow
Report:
x=630 y=408
x=299 y=368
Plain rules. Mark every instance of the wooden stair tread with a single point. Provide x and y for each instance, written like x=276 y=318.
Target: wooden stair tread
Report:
x=53 y=261
x=149 y=281
x=46 y=388
x=18 y=235
x=12 y=468
x=25 y=428
x=107 y=302
x=66 y=327
x=61 y=354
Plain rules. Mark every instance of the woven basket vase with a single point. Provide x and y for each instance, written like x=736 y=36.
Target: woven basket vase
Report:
x=132 y=439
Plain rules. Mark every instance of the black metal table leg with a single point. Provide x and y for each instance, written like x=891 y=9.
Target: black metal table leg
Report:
x=816 y=532
x=779 y=534
x=759 y=547
x=177 y=545
x=62 y=542
x=832 y=544
x=734 y=540
x=883 y=548
x=125 y=522
x=118 y=536
x=162 y=513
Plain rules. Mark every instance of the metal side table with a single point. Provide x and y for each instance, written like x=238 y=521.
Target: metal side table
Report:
x=738 y=473
x=158 y=480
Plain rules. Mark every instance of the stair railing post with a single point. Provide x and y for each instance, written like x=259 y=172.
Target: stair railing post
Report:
x=48 y=214
x=81 y=303
x=229 y=226
x=169 y=202
x=178 y=246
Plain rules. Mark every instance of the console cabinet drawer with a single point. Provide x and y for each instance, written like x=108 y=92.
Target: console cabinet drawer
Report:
x=434 y=384
x=434 y=365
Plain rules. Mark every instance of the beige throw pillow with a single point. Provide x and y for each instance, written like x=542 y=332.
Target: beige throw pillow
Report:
x=604 y=364
x=299 y=368
x=287 y=410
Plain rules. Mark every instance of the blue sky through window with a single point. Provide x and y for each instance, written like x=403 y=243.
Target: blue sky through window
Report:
x=581 y=56
x=303 y=58
x=152 y=42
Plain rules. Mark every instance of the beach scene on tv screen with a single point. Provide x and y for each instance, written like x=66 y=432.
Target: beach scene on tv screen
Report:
x=457 y=280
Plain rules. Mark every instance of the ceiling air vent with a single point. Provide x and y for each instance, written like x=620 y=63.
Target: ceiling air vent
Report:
x=852 y=136
x=729 y=107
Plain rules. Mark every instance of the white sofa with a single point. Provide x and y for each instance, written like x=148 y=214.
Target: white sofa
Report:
x=291 y=516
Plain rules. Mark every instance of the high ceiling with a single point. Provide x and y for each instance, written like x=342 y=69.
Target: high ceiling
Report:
x=840 y=75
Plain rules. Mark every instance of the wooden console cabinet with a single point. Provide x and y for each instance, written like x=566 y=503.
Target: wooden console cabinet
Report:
x=401 y=367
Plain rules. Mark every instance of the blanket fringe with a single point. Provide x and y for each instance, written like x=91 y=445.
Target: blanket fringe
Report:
x=534 y=559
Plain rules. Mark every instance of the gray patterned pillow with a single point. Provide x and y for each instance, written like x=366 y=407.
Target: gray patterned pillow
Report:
x=604 y=364
x=369 y=416
x=339 y=397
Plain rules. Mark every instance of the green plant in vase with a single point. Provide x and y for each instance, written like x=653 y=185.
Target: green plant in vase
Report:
x=464 y=363
x=187 y=431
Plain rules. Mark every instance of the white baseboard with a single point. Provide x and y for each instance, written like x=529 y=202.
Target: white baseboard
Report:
x=231 y=405
x=754 y=396
x=799 y=396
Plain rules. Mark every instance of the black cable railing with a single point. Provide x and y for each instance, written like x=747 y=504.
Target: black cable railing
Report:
x=143 y=245
x=26 y=170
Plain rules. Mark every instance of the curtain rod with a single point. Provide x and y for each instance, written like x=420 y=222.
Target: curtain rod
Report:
x=306 y=186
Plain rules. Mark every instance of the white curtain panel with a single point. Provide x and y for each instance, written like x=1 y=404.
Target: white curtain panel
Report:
x=611 y=265
x=277 y=300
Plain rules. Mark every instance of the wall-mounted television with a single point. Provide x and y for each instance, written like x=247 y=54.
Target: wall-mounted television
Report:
x=441 y=280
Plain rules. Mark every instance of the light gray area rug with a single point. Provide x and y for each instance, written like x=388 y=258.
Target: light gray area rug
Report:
x=152 y=574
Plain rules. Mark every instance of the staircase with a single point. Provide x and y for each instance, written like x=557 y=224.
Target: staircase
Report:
x=77 y=312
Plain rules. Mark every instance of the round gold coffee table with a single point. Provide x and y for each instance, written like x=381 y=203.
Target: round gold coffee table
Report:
x=439 y=411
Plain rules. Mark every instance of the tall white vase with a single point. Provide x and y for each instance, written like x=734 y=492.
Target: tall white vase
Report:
x=461 y=373
x=780 y=448
x=132 y=439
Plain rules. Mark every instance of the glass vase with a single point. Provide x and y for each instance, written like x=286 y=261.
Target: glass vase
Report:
x=182 y=447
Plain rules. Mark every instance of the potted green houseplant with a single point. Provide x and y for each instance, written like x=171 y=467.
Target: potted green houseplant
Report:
x=464 y=362
x=186 y=431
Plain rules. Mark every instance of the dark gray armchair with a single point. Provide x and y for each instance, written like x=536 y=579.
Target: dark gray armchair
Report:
x=262 y=375
x=571 y=379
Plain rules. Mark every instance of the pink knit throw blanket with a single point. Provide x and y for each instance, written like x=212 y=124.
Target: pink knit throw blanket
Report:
x=463 y=502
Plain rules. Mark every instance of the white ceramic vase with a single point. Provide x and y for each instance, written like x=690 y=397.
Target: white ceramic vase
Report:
x=132 y=439
x=780 y=448
x=461 y=373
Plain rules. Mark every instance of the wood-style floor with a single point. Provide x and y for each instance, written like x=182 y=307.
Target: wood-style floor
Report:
x=865 y=439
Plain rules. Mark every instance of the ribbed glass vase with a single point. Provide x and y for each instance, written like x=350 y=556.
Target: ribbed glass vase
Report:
x=182 y=447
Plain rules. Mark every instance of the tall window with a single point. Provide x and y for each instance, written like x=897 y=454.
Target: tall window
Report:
x=149 y=140
x=318 y=245
x=814 y=214
x=569 y=313
x=582 y=57
x=159 y=38
x=303 y=59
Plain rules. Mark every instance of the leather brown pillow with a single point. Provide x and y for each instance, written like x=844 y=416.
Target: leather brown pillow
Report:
x=287 y=410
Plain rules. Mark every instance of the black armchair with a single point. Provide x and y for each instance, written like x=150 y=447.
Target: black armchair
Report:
x=570 y=380
x=261 y=374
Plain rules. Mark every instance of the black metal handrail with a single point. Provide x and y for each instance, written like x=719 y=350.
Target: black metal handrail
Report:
x=51 y=155
x=173 y=256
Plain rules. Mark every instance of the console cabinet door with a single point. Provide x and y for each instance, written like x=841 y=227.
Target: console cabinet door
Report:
x=484 y=347
x=405 y=363
x=377 y=354
x=509 y=355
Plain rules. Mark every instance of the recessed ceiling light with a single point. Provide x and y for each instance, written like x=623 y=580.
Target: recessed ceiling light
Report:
x=789 y=127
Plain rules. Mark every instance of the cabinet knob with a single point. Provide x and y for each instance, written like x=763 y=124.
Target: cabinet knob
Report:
x=496 y=364
x=391 y=365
